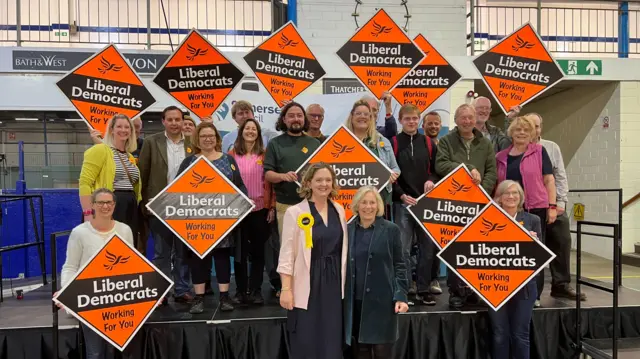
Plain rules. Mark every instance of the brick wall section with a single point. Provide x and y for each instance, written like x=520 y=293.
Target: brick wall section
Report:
x=327 y=24
x=630 y=160
x=573 y=119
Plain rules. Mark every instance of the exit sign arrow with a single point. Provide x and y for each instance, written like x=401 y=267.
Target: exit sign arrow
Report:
x=581 y=67
x=592 y=68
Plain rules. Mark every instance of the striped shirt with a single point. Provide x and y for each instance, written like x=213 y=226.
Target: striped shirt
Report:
x=121 y=181
x=252 y=173
x=175 y=156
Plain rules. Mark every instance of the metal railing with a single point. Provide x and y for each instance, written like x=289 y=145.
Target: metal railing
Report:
x=38 y=232
x=610 y=29
x=158 y=24
x=584 y=345
x=618 y=191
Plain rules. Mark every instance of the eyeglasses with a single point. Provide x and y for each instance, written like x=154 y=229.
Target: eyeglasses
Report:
x=361 y=114
x=104 y=203
x=512 y=194
x=313 y=115
x=483 y=108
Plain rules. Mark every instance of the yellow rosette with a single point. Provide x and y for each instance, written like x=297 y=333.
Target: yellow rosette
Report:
x=305 y=222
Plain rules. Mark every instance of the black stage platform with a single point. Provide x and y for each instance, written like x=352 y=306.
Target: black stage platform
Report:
x=260 y=332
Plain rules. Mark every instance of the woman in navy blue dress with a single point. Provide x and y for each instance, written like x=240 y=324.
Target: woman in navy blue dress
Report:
x=314 y=247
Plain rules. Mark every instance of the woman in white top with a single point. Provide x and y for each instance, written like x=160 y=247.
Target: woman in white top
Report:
x=86 y=240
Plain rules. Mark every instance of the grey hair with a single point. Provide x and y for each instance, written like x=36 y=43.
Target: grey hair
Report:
x=362 y=191
x=100 y=191
x=504 y=186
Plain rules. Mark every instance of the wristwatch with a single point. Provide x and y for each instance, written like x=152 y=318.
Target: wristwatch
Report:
x=553 y=206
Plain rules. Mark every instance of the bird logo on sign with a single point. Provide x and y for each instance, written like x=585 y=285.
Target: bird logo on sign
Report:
x=285 y=41
x=195 y=52
x=457 y=187
x=491 y=227
x=522 y=44
x=380 y=29
x=198 y=180
x=114 y=260
x=108 y=66
x=340 y=149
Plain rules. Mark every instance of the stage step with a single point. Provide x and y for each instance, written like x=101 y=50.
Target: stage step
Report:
x=632 y=259
x=637 y=248
x=628 y=348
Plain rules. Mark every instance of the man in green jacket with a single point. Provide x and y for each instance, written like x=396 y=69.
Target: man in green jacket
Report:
x=465 y=144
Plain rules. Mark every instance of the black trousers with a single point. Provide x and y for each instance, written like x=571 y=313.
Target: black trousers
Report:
x=558 y=239
x=254 y=234
x=272 y=253
x=201 y=268
x=366 y=351
x=126 y=211
x=542 y=213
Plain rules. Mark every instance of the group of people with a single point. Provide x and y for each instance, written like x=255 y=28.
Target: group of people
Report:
x=341 y=284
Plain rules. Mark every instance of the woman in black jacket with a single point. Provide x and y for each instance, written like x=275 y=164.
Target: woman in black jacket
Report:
x=510 y=325
x=376 y=288
x=207 y=143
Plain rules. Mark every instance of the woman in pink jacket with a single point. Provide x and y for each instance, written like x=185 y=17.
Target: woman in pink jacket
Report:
x=312 y=266
x=529 y=164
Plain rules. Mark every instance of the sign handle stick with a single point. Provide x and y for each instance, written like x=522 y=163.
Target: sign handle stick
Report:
x=166 y=22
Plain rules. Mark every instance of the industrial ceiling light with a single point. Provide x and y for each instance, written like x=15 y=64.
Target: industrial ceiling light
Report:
x=403 y=3
x=26 y=119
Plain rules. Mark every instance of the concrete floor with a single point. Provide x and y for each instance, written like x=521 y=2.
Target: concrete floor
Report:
x=601 y=269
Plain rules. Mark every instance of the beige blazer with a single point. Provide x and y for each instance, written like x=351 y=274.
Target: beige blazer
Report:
x=295 y=258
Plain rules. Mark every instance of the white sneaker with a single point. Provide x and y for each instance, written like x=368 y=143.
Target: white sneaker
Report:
x=537 y=304
x=434 y=287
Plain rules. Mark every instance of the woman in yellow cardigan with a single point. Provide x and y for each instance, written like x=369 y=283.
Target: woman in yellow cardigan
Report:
x=110 y=165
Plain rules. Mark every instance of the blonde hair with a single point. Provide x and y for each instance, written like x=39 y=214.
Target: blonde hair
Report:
x=305 y=189
x=131 y=144
x=504 y=186
x=372 y=131
x=406 y=109
x=362 y=191
x=522 y=121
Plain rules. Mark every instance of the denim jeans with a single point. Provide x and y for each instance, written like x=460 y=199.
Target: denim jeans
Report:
x=410 y=229
x=95 y=347
x=510 y=325
x=168 y=256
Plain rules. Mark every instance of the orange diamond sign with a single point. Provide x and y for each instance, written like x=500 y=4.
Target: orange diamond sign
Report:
x=115 y=292
x=451 y=205
x=380 y=54
x=284 y=65
x=105 y=85
x=198 y=75
x=496 y=256
x=201 y=206
x=518 y=68
x=428 y=81
x=354 y=164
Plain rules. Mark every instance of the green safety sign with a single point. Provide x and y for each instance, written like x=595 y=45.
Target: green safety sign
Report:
x=581 y=67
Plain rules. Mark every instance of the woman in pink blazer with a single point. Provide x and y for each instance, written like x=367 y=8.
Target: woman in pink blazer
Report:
x=312 y=266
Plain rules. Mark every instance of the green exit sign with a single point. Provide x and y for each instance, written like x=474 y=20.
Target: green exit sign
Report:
x=581 y=67
x=61 y=33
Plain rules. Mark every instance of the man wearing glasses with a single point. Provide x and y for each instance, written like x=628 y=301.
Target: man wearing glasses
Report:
x=315 y=115
x=493 y=133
